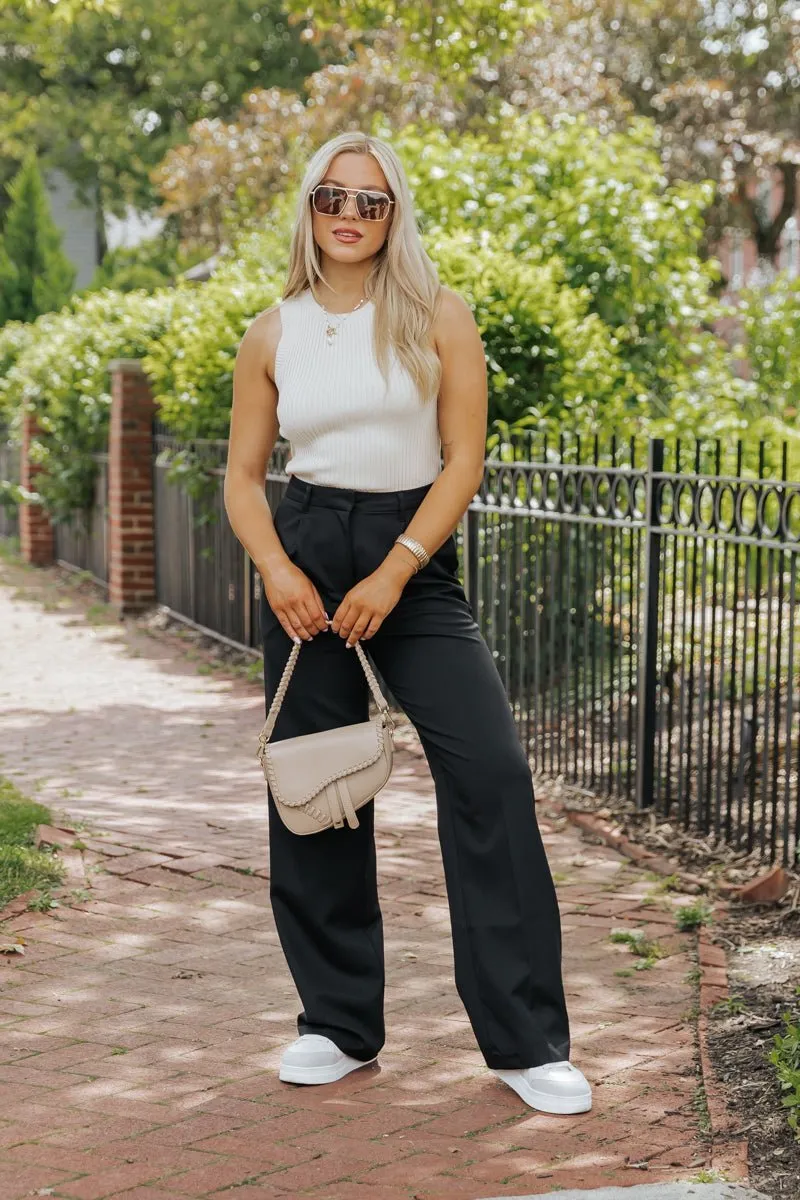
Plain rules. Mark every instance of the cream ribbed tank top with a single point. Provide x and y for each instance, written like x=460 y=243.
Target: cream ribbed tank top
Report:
x=345 y=428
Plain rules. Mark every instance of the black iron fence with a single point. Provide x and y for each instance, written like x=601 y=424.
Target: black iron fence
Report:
x=644 y=617
x=642 y=609
x=202 y=571
x=721 y=641
x=82 y=540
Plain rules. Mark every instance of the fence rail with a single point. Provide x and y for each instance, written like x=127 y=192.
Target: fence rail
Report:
x=202 y=570
x=645 y=622
x=726 y=680
x=643 y=614
x=82 y=541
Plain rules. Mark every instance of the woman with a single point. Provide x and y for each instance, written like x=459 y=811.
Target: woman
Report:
x=373 y=371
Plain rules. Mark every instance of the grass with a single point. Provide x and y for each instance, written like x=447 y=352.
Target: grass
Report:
x=646 y=949
x=785 y=1058
x=706 y=1175
x=665 y=883
x=729 y=1005
x=100 y=613
x=691 y=916
x=23 y=867
x=700 y=1105
x=254 y=671
x=10 y=550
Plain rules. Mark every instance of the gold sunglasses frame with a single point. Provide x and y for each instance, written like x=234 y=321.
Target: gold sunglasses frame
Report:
x=350 y=192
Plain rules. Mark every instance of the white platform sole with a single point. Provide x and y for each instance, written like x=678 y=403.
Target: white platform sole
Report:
x=560 y=1105
x=322 y=1074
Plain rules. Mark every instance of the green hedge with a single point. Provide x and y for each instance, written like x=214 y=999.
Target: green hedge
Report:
x=579 y=262
x=548 y=357
x=62 y=375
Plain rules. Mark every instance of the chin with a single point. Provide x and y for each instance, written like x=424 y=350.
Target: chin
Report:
x=357 y=250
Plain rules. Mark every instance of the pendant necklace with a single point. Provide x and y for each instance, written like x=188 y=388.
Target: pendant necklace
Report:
x=330 y=329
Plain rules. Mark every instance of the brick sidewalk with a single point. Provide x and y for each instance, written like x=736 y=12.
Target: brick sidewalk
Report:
x=140 y=1032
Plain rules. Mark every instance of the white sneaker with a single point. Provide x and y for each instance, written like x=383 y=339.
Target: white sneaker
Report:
x=557 y=1087
x=313 y=1058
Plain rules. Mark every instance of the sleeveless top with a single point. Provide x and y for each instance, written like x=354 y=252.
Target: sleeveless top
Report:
x=345 y=428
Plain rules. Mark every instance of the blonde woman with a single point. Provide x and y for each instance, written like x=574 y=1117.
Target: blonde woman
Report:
x=375 y=373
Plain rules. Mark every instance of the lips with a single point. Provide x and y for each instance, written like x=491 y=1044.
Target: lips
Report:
x=347 y=235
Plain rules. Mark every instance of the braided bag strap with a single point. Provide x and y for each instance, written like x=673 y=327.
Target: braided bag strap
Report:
x=377 y=694
x=280 y=691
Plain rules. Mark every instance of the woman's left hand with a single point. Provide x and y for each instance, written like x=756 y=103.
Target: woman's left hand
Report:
x=365 y=606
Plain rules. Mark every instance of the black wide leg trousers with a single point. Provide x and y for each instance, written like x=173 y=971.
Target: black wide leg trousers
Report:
x=323 y=887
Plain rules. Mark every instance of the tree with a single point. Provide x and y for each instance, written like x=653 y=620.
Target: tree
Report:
x=456 y=42
x=721 y=81
x=123 y=82
x=38 y=276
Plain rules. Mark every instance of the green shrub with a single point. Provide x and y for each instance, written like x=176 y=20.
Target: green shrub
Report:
x=15 y=337
x=191 y=365
x=152 y=263
x=62 y=375
x=580 y=262
x=599 y=203
x=770 y=316
x=548 y=356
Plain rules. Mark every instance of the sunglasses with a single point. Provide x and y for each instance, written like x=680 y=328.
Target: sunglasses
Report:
x=330 y=201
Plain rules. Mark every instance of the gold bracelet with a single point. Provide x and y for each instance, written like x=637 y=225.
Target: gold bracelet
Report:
x=416 y=548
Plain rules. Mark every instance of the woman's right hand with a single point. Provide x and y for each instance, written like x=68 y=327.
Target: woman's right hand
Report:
x=295 y=601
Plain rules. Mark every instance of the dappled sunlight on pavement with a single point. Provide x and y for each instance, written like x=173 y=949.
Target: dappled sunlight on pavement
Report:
x=142 y=1028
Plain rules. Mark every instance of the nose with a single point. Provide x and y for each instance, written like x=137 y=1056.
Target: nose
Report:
x=350 y=200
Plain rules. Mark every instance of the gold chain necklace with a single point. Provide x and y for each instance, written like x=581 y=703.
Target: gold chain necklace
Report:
x=330 y=329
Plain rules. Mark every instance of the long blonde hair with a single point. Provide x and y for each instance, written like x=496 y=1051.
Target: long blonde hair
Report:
x=403 y=282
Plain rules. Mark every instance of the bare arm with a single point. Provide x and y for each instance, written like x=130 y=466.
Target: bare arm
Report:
x=253 y=433
x=462 y=416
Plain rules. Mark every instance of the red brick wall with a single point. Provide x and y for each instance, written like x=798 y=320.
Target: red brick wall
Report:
x=131 y=537
x=35 y=530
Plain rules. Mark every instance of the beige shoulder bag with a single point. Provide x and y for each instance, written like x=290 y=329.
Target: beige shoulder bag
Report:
x=320 y=779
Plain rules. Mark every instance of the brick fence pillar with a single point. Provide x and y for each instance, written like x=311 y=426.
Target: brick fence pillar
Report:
x=131 y=533
x=37 y=543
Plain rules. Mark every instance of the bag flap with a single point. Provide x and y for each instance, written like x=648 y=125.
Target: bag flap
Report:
x=296 y=768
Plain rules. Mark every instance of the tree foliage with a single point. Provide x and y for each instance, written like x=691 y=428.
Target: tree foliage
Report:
x=150 y=264
x=770 y=348
x=721 y=81
x=35 y=274
x=602 y=206
x=106 y=88
x=578 y=258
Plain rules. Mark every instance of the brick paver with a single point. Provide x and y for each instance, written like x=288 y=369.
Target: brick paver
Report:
x=141 y=1030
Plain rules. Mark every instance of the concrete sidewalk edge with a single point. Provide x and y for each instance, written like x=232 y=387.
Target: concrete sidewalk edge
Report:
x=657 y=1191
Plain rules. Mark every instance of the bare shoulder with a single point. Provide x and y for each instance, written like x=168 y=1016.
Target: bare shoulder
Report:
x=262 y=336
x=453 y=316
x=453 y=320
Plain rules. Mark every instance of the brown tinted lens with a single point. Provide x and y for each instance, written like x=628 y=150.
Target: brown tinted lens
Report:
x=330 y=200
x=372 y=206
